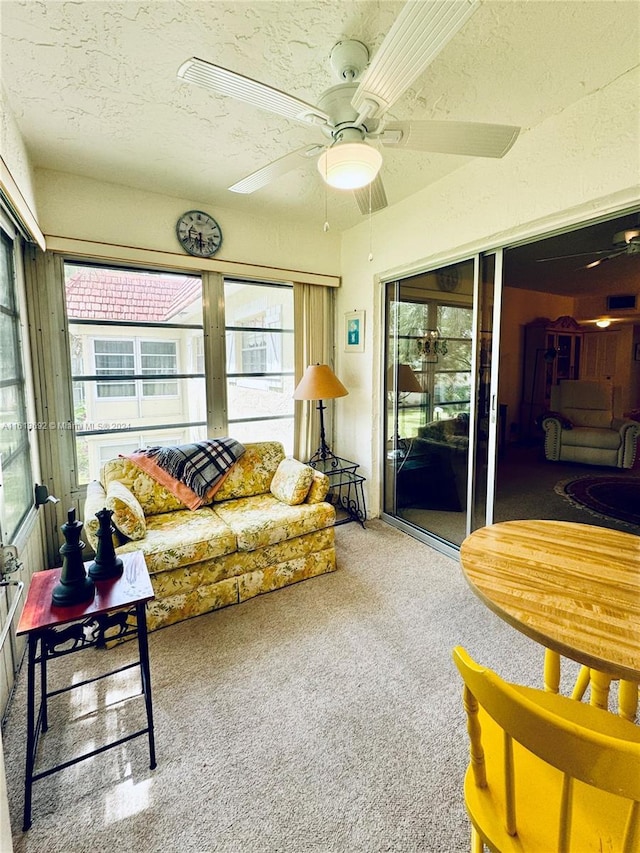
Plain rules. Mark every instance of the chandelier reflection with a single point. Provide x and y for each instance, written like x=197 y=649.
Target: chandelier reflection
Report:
x=431 y=345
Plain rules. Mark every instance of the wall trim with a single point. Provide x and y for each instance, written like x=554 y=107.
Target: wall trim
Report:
x=97 y=251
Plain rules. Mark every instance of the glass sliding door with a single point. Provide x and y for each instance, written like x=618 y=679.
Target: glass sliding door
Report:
x=440 y=399
x=428 y=387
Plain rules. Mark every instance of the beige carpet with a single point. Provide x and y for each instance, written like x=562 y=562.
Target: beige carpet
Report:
x=323 y=717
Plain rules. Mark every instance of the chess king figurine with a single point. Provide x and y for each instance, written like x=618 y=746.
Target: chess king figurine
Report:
x=106 y=564
x=74 y=587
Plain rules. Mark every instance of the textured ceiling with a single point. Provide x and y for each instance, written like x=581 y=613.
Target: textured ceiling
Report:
x=94 y=90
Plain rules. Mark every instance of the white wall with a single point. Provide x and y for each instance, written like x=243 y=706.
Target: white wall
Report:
x=575 y=165
x=84 y=209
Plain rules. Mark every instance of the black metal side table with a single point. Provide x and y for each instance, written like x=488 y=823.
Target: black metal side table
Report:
x=60 y=631
x=345 y=485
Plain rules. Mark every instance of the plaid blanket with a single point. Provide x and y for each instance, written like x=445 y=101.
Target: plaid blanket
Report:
x=200 y=467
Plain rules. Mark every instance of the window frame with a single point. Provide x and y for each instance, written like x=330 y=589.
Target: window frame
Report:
x=22 y=452
x=234 y=336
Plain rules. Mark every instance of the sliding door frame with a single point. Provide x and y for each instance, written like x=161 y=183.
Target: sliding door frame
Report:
x=474 y=518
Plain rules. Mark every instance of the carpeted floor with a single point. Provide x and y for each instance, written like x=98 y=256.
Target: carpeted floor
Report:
x=323 y=717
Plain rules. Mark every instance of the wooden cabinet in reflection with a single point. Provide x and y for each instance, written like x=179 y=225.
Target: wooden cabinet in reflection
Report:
x=552 y=351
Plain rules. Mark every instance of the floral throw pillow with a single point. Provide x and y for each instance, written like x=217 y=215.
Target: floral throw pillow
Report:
x=128 y=516
x=291 y=481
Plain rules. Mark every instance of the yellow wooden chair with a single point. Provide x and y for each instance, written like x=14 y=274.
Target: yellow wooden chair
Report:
x=598 y=682
x=547 y=773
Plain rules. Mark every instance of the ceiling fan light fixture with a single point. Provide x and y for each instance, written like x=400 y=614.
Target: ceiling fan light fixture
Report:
x=349 y=165
x=603 y=324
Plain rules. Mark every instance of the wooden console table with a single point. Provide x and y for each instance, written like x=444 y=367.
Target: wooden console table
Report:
x=56 y=631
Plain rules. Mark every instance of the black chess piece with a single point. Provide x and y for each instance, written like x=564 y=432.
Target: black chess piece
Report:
x=106 y=564
x=74 y=587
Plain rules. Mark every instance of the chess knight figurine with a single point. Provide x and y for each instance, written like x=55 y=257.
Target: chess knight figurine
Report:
x=74 y=587
x=106 y=564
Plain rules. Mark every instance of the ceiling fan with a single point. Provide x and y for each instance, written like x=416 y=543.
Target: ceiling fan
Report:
x=351 y=115
x=623 y=243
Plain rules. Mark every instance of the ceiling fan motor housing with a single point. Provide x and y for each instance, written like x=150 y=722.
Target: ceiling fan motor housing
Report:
x=348 y=59
x=336 y=102
x=629 y=239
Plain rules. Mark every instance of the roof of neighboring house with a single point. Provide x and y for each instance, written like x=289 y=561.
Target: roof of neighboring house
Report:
x=112 y=294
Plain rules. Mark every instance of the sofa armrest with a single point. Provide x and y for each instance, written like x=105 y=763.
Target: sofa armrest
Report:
x=318 y=489
x=95 y=500
x=629 y=438
x=552 y=427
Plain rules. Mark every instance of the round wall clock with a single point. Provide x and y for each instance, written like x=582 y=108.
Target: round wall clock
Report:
x=448 y=280
x=198 y=233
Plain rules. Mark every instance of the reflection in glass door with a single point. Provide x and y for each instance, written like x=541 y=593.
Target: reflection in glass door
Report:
x=428 y=386
x=441 y=413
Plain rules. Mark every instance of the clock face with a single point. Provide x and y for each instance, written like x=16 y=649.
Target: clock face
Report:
x=448 y=280
x=198 y=233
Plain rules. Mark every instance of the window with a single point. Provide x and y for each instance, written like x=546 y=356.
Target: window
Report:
x=137 y=353
x=260 y=367
x=113 y=358
x=254 y=352
x=133 y=339
x=159 y=357
x=147 y=358
x=15 y=460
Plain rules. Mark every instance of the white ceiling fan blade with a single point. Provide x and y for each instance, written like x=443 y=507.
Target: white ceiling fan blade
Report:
x=576 y=255
x=418 y=34
x=473 y=139
x=599 y=261
x=372 y=197
x=243 y=88
x=262 y=177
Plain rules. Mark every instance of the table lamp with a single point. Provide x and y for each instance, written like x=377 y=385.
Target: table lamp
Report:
x=406 y=382
x=320 y=383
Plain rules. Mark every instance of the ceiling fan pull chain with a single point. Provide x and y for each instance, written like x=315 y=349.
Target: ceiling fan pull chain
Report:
x=370 y=226
x=325 y=227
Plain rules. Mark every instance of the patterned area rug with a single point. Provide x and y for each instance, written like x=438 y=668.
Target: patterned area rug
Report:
x=605 y=497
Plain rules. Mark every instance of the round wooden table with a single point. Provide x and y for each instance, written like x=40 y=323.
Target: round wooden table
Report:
x=574 y=588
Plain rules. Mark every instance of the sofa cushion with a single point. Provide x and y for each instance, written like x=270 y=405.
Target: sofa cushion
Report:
x=603 y=439
x=263 y=519
x=183 y=537
x=253 y=472
x=128 y=516
x=192 y=472
x=598 y=418
x=291 y=481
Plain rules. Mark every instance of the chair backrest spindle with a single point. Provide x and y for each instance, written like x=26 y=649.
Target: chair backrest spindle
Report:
x=509 y=786
x=475 y=738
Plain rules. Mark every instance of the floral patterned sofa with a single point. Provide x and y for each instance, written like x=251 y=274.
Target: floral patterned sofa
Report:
x=268 y=526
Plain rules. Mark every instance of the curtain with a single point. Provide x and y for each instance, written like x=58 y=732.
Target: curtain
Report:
x=314 y=342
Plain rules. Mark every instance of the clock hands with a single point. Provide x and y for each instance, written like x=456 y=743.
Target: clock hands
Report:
x=199 y=234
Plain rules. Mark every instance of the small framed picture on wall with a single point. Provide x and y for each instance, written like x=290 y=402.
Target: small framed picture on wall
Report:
x=354 y=331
